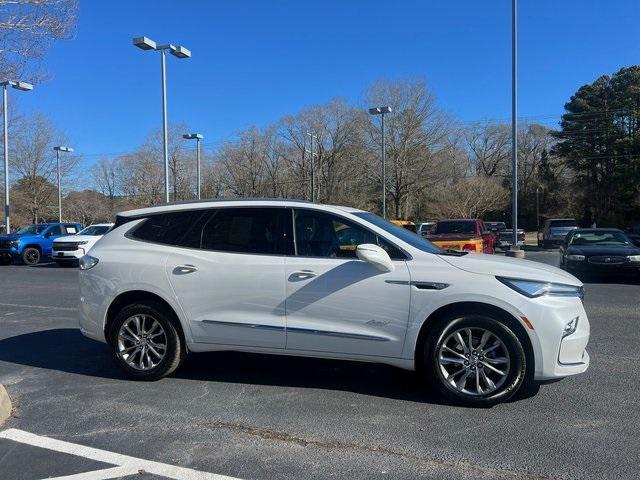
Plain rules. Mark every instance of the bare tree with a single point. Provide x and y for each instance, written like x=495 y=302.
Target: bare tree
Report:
x=489 y=147
x=415 y=131
x=471 y=197
x=27 y=29
x=34 y=162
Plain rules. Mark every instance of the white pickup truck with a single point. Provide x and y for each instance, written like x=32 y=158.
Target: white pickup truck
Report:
x=68 y=250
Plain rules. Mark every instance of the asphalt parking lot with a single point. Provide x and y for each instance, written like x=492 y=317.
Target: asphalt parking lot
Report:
x=255 y=417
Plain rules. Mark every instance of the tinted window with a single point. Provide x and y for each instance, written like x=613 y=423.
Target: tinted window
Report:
x=95 y=230
x=55 y=230
x=265 y=231
x=320 y=234
x=466 y=227
x=173 y=228
x=563 y=223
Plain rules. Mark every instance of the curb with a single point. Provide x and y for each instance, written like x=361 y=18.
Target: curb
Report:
x=5 y=405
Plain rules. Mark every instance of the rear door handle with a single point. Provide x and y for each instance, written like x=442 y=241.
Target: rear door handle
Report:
x=184 y=269
x=303 y=274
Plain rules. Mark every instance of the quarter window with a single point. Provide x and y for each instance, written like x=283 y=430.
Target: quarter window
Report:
x=182 y=229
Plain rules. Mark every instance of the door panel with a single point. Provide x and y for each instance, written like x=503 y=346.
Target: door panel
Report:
x=346 y=306
x=337 y=303
x=230 y=299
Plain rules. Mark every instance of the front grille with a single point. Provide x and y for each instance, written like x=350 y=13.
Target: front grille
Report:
x=607 y=259
x=65 y=247
x=5 y=244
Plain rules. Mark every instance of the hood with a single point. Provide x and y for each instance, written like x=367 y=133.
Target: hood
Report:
x=26 y=237
x=78 y=238
x=604 y=250
x=498 y=266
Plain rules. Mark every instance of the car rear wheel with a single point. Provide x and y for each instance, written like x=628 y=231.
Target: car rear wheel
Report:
x=31 y=256
x=475 y=360
x=145 y=343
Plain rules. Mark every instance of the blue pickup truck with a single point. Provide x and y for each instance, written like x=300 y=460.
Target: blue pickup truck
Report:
x=32 y=242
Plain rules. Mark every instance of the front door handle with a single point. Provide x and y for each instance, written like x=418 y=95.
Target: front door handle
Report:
x=303 y=275
x=184 y=269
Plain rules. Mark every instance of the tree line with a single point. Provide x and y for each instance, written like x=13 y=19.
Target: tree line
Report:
x=437 y=166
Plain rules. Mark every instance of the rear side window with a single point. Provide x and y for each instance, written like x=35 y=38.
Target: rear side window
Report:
x=182 y=229
x=265 y=231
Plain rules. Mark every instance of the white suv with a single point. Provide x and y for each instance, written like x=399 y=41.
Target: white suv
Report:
x=67 y=250
x=297 y=278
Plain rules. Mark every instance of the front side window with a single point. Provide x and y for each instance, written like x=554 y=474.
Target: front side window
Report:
x=265 y=231
x=412 y=239
x=320 y=234
x=54 y=231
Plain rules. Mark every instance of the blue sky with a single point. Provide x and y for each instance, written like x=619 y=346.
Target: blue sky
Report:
x=255 y=61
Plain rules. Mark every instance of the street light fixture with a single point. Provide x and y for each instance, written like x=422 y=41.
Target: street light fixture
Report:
x=25 y=87
x=58 y=150
x=177 y=51
x=197 y=137
x=382 y=111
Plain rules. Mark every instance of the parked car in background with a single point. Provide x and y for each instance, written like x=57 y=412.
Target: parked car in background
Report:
x=33 y=242
x=634 y=234
x=464 y=235
x=504 y=238
x=270 y=276
x=406 y=224
x=67 y=250
x=600 y=251
x=495 y=226
x=423 y=228
x=555 y=230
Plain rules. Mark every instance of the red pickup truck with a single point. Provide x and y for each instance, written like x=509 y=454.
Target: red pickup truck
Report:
x=465 y=235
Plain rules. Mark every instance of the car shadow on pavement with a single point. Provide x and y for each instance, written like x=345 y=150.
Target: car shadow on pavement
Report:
x=67 y=350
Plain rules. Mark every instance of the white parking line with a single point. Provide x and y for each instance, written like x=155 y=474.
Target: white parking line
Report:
x=125 y=465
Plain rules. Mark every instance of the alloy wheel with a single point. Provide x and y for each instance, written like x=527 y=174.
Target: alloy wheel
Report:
x=474 y=361
x=142 y=342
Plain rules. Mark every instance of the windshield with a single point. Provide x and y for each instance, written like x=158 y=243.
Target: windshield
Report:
x=30 y=229
x=403 y=234
x=454 y=227
x=563 y=223
x=95 y=230
x=588 y=239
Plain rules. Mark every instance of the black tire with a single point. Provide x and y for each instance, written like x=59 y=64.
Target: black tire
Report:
x=66 y=264
x=513 y=380
x=175 y=350
x=31 y=256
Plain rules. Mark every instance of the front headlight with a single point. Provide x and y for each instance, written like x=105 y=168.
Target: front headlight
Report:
x=634 y=258
x=14 y=243
x=87 y=261
x=535 y=288
x=575 y=257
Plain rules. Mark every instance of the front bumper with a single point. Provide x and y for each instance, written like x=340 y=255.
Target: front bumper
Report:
x=558 y=356
x=6 y=253
x=583 y=266
x=67 y=256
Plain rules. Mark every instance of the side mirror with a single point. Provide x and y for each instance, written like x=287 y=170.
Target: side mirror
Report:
x=376 y=256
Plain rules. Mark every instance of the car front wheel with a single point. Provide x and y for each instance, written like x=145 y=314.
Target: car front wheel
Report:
x=475 y=360
x=144 y=342
x=31 y=256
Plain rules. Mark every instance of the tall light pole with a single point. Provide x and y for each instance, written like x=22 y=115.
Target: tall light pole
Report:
x=381 y=111
x=313 y=169
x=25 y=87
x=58 y=150
x=178 y=51
x=514 y=123
x=197 y=137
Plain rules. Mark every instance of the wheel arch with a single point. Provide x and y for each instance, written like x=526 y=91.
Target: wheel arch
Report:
x=460 y=308
x=141 y=296
x=32 y=245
